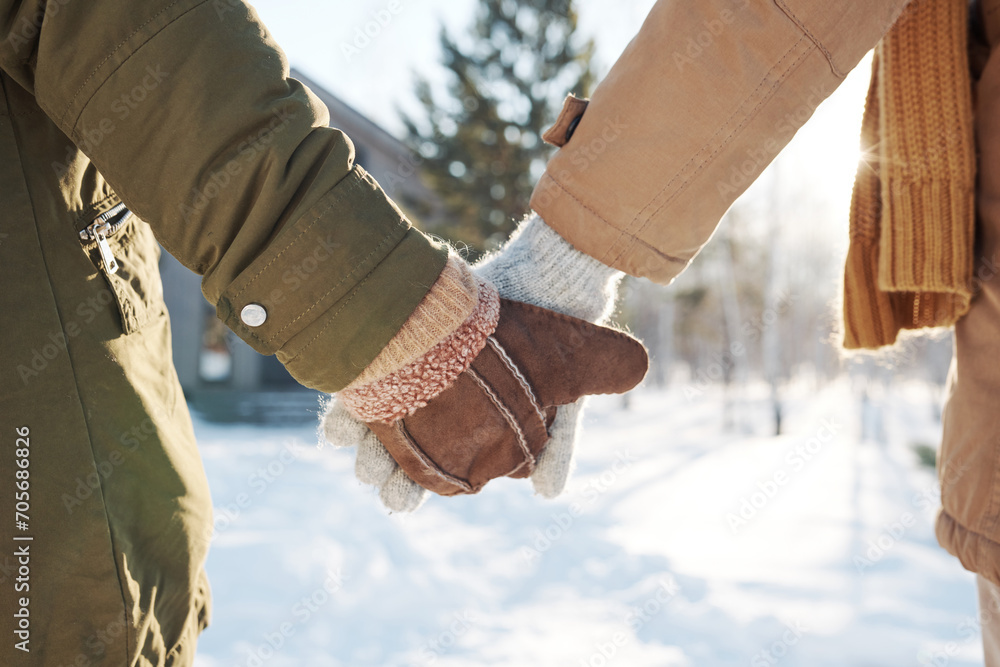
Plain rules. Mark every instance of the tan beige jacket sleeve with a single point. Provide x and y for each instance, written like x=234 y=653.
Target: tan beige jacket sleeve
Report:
x=700 y=102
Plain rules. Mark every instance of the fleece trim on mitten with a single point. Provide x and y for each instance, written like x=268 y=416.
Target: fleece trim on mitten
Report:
x=442 y=311
x=405 y=390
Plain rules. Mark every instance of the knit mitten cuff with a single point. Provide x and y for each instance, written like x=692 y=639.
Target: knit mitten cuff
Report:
x=442 y=311
x=538 y=266
x=409 y=388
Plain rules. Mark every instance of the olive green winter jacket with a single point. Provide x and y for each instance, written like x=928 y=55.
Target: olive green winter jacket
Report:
x=183 y=111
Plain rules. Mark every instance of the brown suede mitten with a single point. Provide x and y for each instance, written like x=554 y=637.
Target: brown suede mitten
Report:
x=493 y=420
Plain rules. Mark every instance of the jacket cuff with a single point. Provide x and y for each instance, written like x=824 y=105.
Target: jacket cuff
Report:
x=334 y=286
x=447 y=305
x=410 y=388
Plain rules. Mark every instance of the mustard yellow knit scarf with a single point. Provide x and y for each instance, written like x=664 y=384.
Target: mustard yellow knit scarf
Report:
x=910 y=260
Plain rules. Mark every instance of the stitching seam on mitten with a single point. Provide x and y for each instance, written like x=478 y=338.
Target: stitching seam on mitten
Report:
x=529 y=459
x=516 y=372
x=432 y=467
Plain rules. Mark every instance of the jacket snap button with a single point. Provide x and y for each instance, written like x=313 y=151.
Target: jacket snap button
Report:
x=253 y=315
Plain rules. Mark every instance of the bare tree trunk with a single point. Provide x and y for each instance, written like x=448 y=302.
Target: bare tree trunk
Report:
x=731 y=361
x=771 y=335
x=665 y=322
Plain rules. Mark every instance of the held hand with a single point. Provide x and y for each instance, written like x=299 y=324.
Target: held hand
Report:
x=538 y=267
x=494 y=420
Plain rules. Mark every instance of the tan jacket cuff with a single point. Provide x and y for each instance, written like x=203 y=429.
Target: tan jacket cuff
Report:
x=678 y=130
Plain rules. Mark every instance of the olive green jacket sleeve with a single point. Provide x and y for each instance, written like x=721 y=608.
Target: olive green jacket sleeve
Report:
x=186 y=108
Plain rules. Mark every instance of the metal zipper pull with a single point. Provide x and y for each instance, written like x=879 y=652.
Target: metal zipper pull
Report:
x=97 y=232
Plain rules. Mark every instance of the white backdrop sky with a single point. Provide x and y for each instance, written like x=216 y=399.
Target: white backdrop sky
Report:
x=380 y=76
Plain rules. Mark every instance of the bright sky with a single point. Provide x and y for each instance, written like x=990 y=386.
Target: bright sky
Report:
x=378 y=76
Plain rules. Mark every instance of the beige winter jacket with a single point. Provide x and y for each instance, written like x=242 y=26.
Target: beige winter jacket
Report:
x=700 y=102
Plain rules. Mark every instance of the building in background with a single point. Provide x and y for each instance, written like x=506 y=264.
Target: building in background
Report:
x=223 y=377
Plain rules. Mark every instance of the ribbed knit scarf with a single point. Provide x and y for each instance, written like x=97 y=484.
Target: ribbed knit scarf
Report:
x=910 y=260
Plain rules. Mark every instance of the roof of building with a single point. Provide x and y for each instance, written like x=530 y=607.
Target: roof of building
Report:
x=346 y=117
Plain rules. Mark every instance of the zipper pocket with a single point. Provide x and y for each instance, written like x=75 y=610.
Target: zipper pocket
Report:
x=101 y=228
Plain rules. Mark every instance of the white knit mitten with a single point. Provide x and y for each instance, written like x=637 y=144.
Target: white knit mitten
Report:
x=535 y=266
x=373 y=464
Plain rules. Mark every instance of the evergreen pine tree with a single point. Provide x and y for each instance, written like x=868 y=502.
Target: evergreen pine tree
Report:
x=482 y=142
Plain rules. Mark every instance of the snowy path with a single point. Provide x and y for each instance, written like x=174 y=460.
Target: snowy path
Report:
x=646 y=561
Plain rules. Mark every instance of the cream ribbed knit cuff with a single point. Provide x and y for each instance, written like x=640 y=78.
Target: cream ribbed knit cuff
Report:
x=442 y=311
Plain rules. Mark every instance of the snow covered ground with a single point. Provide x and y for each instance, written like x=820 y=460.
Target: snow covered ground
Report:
x=677 y=544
